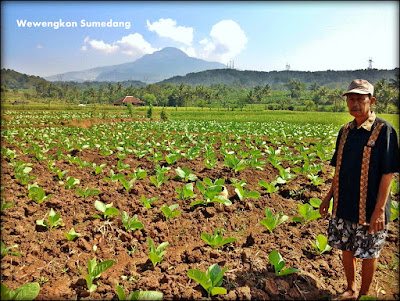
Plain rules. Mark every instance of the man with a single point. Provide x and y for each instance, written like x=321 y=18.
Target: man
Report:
x=365 y=159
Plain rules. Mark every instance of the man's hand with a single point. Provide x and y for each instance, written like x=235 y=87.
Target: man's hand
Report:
x=377 y=221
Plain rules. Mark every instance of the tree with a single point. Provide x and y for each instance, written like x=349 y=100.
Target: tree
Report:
x=295 y=88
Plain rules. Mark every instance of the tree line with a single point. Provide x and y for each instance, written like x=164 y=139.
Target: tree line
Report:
x=293 y=95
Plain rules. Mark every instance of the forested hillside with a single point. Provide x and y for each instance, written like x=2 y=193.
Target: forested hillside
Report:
x=11 y=79
x=277 y=79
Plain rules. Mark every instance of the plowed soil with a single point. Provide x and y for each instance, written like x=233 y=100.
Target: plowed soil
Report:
x=60 y=266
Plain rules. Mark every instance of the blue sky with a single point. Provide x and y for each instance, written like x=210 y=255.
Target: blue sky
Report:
x=263 y=35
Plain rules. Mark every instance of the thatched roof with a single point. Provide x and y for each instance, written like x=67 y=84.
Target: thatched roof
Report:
x=128 y=99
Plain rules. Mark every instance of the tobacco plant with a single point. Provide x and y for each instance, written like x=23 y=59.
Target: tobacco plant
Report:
x=186 y=192
x=21 y=172
x=185 y=174
x=130 y=223
x=212 y=193
x=148 y=202
x=272 y=221
x=138 y=295
x=87 y=192
x=169 y=211
x=216 y=240
x=72 y=235
x=321 y=244
x=270 y=187
x=277 y=261
x=70 y=182
x=234 y=162
x=37 y=193
x=307 y=213
x=98 y=168
x=211 y=280
x=6 y=250
x=156 y=255
x=113 y=176
x=107 y=210
x=28 y=291
x=94 y=271
x=54 y=220
x=394 y=210
x=244 y=193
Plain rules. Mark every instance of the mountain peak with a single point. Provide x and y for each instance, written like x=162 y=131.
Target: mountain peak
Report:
x=170 y=51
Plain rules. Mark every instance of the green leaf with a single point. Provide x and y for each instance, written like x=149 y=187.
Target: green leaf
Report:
x=71 y=235
x=288 y=271
x=101 y=267
x=121 y=293
x=218 y=291
x=28 y=291
x=201 y=278
x=100 y=206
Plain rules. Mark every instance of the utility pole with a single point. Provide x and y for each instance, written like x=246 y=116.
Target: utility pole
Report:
x=370 y=63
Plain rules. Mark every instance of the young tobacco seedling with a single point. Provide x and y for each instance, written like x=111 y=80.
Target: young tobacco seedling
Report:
x=307 y=213
x=5 y=205
x=186 y=192
x=394 y=210
x=315 y=179
x=70 y=182
x=127 y=184
x=107 y=210
x=72 y=235
x=211 y=280
x=272 y=221
x=87 y=192
x=94 y=271
x=113 y=176
x=147 y=202
x=321 y=244
x=54 y=220
x=185 y=174
x=98 y=168
x=270 y=187
x=277 y=261
x=5 y=251
x=212 y=193
x=156 y=255
x=244 y=193
x=139 y=295
x=169 y=211
x=28 y=291
x=234 y=162
x=130 y=223
x=216 y=240
x=37 y=193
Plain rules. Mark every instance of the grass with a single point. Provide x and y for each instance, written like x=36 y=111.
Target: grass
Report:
x=195 y=113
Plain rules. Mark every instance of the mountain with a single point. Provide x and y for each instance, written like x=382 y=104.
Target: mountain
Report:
x=277 y=79
x=150 y=68
x=15 y=80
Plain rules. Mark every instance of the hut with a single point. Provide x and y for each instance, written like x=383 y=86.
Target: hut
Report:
x=128 y=99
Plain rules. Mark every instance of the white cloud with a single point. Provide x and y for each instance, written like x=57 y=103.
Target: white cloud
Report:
x=167 y=28
x=133 y=45
x=190 y=51
x=100 y=45
x=227 y=41
x=39 y=46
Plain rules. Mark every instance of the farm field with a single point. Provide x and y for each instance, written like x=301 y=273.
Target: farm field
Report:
x=119 y=182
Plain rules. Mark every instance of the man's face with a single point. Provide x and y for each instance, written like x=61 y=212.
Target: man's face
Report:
x=359 y=104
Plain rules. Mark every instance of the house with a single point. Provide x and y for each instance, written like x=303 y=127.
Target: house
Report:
x=17 y=102
x=128 y=99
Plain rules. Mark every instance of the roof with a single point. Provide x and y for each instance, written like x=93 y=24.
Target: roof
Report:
x=128 y=99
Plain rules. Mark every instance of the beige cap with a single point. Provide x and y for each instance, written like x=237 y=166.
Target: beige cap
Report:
x=360 y=86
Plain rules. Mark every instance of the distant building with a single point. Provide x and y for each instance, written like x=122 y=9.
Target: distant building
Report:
x=128 y=99
x=20 y=102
